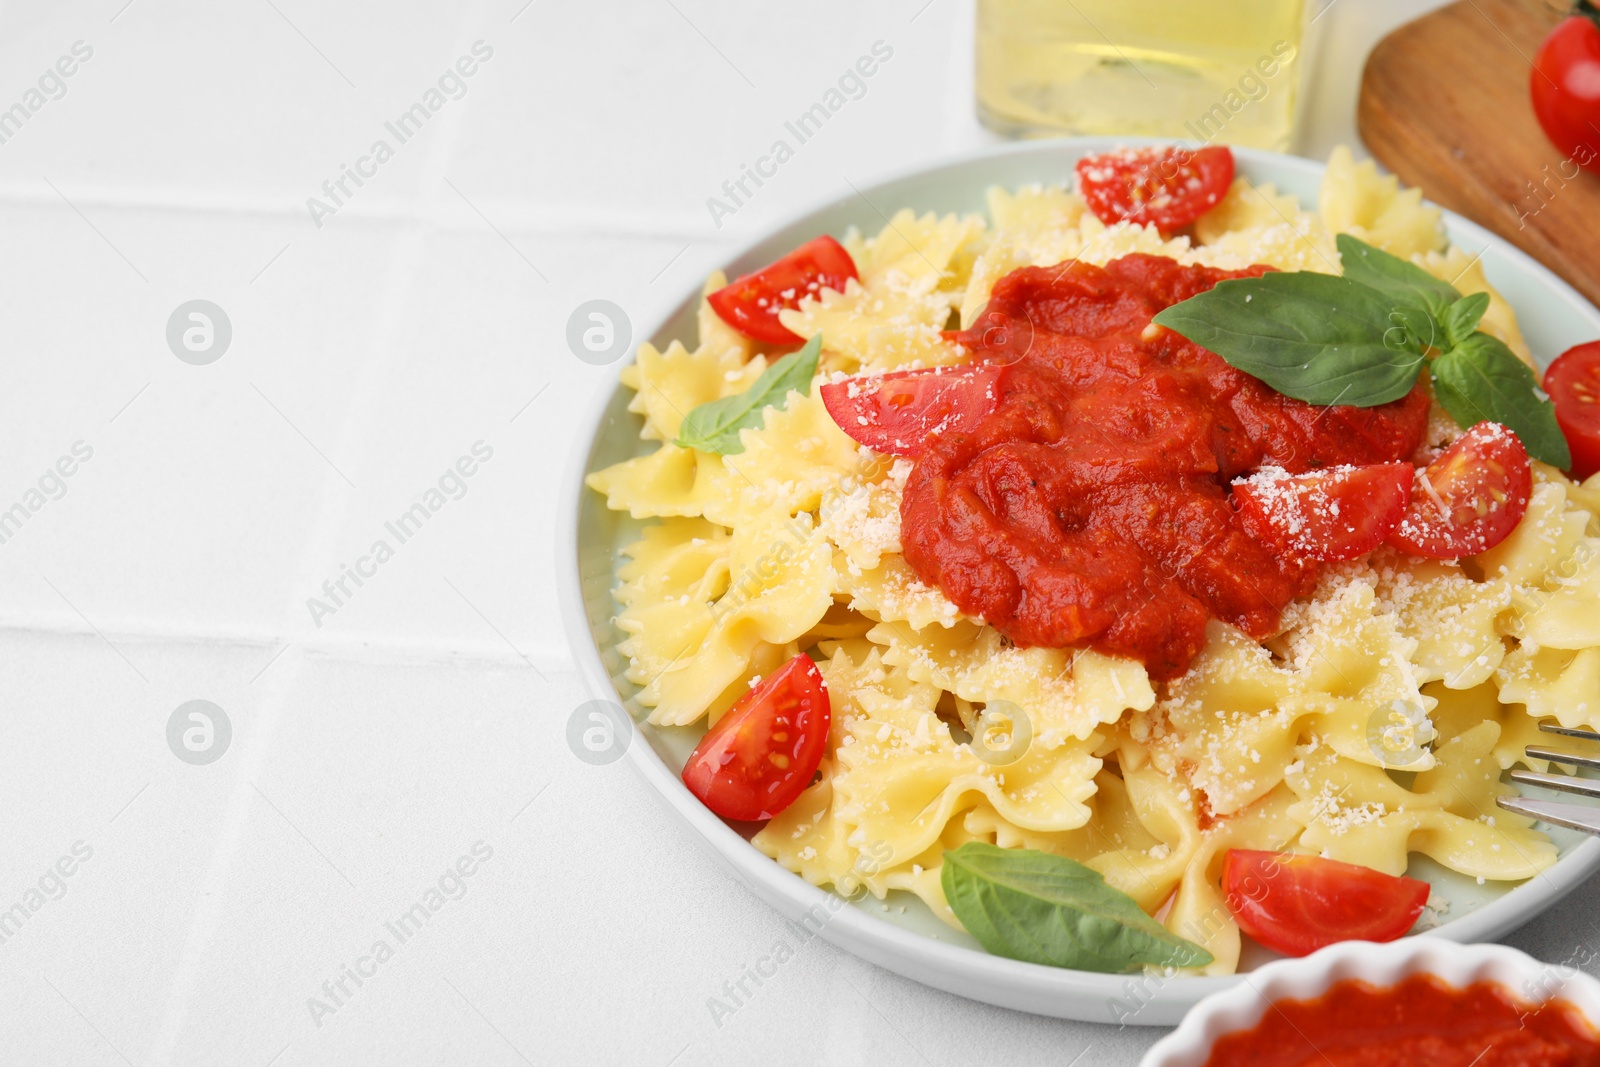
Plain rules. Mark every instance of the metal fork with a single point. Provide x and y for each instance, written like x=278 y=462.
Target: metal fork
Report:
x=1575 y=816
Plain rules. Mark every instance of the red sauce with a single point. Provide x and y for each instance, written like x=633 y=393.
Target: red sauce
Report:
x=1421 y=1022
x=1092 y=507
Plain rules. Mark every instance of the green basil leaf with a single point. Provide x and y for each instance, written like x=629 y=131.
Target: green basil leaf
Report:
x=1481 y=380
x=1394 y=277
x=1461 y=318
x=1315 y=337
x=1033 y=906
x=1421 y=330
x=714 y=426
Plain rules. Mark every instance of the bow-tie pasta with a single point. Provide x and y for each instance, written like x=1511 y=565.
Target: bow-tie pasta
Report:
x=1374 y=728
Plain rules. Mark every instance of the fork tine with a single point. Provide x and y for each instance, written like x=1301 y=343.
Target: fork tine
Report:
x=1572 y=816
x=1568 y=731
x=1584 y=787
x=1567 y=758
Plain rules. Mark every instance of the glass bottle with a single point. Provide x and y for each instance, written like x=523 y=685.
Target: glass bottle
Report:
x=1224 y=71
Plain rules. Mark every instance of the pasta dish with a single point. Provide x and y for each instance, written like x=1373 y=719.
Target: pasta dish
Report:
x=1130 y=560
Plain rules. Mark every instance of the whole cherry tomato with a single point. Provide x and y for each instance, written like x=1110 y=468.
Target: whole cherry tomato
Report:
x=1566 y=86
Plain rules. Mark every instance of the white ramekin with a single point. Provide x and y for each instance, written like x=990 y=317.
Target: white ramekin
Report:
x=1241 y=1007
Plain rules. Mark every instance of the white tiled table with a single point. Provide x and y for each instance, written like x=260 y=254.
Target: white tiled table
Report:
x=426 y=714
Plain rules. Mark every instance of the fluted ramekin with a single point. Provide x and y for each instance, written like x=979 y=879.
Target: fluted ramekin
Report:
x=1242 y=1006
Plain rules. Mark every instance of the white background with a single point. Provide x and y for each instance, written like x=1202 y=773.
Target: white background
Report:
x=429 y=712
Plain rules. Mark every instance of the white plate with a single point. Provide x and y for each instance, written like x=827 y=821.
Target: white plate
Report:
x=902 y=934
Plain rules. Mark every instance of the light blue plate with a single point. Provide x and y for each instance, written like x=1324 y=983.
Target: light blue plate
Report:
x=901 y=933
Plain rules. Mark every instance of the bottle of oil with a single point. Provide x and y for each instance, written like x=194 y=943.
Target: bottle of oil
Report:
x=1224 y=71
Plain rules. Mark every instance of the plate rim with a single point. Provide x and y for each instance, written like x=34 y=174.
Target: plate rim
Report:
x=953 y=968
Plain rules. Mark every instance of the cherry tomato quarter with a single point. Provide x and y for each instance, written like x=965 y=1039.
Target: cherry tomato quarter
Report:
x=1469 y=499
x=1296 y=904
x=1167 y=188
x=1573 y=382
x=762 y=754
x=751 y=304
x=1327 y=515
x=894 y=413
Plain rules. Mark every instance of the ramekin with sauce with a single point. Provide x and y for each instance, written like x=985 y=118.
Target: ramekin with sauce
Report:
x=1415 y=1001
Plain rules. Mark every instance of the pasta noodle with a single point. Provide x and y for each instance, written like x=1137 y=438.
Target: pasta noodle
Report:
x=793 y=545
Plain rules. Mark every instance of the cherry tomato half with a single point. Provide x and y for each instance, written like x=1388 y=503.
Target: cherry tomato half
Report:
x=1573 y=382
x=895 y=412
x=762 y=754
x=1163 y=187
x=1334 y=514
x=1297 y=904
x=1565 y=87
x=1469 y=499
x=751 y=304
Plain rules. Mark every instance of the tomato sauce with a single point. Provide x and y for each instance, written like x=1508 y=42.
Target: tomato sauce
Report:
x=1092 y=507
x=1421 y=1021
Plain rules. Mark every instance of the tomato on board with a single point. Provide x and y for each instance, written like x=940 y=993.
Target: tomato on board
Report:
x=1297 y=904
x=1469 y=499
x=1163 y=187
x=1333 y=514
x=894 y=413
x=762 y=754
x=1565 y=85
x=1573 y=382
x=751 y=304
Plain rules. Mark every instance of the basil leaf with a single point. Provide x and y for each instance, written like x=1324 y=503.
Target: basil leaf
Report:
x=1461 y=318
x=1394 y=277
x=714 y=426
x=1315 y=337
x=1482 y=380
x=1033 y=906
x=1421 y=330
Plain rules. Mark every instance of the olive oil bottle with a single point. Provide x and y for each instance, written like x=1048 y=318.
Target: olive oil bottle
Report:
x=1223 y=71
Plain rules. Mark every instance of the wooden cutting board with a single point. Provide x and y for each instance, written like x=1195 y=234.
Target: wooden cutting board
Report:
x=1444 y=104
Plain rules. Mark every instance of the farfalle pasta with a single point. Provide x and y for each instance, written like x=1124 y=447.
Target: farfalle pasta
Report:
x=1372 y=727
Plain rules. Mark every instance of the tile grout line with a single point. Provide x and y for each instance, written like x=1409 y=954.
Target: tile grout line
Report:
x=319 y=548
x=358 y=647
x=518 y=216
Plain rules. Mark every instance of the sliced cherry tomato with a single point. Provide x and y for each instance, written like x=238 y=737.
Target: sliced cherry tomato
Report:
x=751 y=303
x=895 y=412
x=1469 y=499
x=1297 y=904
x=763 y=753
x=1334 y=514
x=1163 y=187
x=1573 y=382
x=1565 y=86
